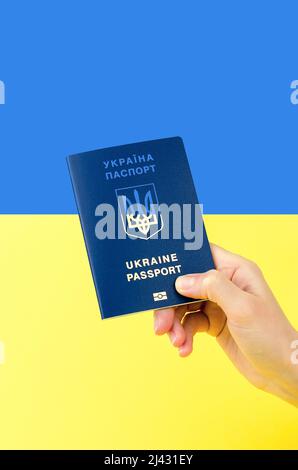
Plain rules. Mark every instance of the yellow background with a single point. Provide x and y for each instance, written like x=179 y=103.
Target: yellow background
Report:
x=71 y=380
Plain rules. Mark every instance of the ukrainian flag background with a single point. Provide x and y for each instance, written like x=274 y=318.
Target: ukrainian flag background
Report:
x=83 y=75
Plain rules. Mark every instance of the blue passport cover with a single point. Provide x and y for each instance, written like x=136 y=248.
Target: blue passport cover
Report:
x=136 y=255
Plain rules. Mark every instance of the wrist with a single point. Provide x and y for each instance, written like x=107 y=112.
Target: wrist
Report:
x=286 y=383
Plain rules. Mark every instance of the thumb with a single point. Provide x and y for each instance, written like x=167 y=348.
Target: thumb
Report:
x=215 y=286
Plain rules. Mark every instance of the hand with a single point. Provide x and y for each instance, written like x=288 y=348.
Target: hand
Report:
x=243 y=315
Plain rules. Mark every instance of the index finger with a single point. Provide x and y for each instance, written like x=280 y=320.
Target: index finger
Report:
x=163 y=320
x=224 y=258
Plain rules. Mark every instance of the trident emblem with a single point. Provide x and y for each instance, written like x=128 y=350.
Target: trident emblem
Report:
x=138 y=207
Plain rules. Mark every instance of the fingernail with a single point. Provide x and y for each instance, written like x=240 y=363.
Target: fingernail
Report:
x=184 y=283
x=173 y=337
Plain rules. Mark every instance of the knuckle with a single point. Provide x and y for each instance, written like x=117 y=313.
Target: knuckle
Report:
x=211 y=278
x=212 y=274
x=245 y=314
x=253 y=267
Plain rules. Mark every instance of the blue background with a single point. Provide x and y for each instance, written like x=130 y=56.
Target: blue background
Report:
x=81 y=75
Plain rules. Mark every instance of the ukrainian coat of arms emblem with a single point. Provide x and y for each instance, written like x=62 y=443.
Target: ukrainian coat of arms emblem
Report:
x=139 y=210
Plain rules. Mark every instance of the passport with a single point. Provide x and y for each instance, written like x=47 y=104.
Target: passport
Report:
x=141 y=222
